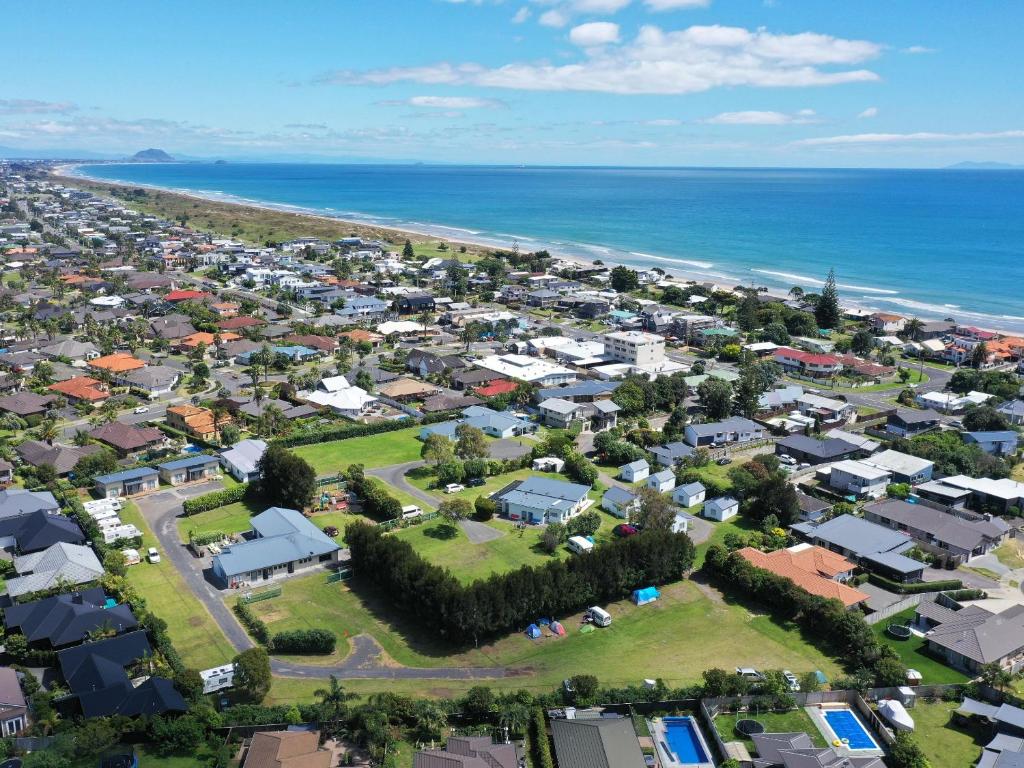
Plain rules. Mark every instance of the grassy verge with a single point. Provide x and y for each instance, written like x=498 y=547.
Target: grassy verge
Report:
x=371 y=451
x=913 y=654
x=195 y=634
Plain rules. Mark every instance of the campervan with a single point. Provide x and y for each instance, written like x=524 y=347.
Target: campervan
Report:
x=580 y=545
x=410 y=511
x=599 y=617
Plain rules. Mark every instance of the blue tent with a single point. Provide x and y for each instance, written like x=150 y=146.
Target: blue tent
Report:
x=645 y=595
x=533 y=631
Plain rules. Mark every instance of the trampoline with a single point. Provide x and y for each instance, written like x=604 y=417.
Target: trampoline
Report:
x=899 y=631
x=749 y=726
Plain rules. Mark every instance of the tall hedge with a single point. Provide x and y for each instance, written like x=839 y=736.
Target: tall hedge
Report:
x=303 y=641
x=505 y=602
x=540 y=744
x=253 y=624
x=214 y=499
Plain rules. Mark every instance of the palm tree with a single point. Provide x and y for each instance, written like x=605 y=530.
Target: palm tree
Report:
x=913 y=328
x=48 y=431
x=333 y=700
x=513 y=715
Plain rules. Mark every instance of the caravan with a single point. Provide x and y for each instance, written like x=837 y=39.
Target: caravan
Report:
x=580 y=545
x=599 y=617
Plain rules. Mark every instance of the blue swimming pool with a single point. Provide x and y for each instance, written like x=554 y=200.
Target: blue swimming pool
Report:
x=682 y=738
x=846 y=725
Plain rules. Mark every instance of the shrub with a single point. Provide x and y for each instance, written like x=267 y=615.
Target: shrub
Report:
x=303 y=641
x=209 y=501
x=253 y=624
x=914 y=588
x=539 y=742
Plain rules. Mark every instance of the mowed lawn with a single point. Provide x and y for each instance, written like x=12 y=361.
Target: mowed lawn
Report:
x=677 y=638
x=426 y=481
x=912 y=653
x=231 y=518
x=450 y=547
x=793 y=721
x=380 y=450
x=193 y=631
x=942 y=742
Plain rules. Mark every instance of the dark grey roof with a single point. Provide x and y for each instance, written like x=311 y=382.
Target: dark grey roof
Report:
x=858 y=535
x=39 y=530
x=944 y=527
x=826 y=450
x=981 y=638
x=607 y=742
x=65 y=619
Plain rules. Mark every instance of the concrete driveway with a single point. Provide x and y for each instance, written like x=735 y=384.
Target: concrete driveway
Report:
x=395 y=477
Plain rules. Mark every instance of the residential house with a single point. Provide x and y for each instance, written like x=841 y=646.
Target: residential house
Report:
x=888 y=324
x=973 y=636
x=733 y=431
x=441 y=403
x=198 y=422
x=543 y=298
x=189 y=470
x=663 y=481
x=284 y=749
x=368 y=309
x=596 y=742
x=99 y=684
x=68 y=619
x=559 y=413
x=62 y=458
x=242 y=459
x=468 y=752
x=868 y=544
x=903 y=467
x=350 y=402
x=811 y=508
x=811 y=451
x=474 y=377
x=907 y=422
x=689 y=495
x=541 y=500
x=812 y=568
x=117 y=366
x=13 y=708
x=825 y=410
x=866 y=444
x=6 y=472
x=529 y=369
x=620 y=502
x=961 y=538
x=497 y=424
x=171 y=327
x=681 y=522
x=809 y=364
x=635 y=471
x=408 y=389
x=796 y=750
x=998 y=443
x=360 y=335
x=60 y=563
x=1013 y=410
x=988 y=495
x=857 y=478
x=26 y=404
x=128 y=439
x=415 y=303
x=81 y=389
x=129 y=482
x=721 y=509
x=18 y=501
x=671 y=454
x=586 y=391
x=283 y=542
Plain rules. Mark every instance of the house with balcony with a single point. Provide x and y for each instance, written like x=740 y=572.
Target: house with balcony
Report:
x=130 y=482
x=810 y=364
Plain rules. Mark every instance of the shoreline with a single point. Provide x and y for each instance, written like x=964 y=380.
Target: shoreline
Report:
x=478 y=244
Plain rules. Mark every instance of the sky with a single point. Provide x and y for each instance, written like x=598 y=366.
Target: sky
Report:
x=911 y=83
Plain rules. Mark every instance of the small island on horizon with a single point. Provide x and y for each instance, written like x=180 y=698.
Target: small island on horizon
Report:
x=152 y=156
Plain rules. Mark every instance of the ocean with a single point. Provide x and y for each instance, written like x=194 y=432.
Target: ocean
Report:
x=930 y=243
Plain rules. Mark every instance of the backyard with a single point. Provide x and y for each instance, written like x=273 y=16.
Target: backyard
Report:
x=793 y=721
x=913 y=654
x=942 y=742
x=193 y=631
x=231 y=518
x=380 y=450
x=687 y=631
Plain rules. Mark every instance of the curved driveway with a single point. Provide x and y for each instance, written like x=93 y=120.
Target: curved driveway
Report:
x=161 y=511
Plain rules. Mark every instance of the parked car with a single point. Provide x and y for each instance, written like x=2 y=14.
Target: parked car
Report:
x=624 y=530
x=785 y=458
x=454 y=488
x=724 y=461
x=475 y=482
x=142 y=409
x=749 y=673
x=331 y=531
x=791 y=680
x=152 y=555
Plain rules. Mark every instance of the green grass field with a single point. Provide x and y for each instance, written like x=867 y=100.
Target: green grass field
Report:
x=942 y=742
x=231 y=518
x=193 y=631
x=371 y=451
x=677 y=638
x=1010 y=553
x=425 y=480
x=148 y=757
x=913 y=655
x=774 y=722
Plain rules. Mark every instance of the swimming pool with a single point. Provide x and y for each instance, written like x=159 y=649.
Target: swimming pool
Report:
x=684 y=741
x=846 y=725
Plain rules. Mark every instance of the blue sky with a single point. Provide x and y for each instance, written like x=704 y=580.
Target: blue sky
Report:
x=647 y=82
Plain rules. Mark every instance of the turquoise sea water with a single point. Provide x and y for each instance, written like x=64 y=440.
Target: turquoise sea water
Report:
x=928 y=243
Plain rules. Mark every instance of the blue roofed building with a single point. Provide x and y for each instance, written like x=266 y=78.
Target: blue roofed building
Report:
x=501 y=424
x=189 y=470
x=127 y=483
x=282 y=542
x=542 y=500
x=998 y=443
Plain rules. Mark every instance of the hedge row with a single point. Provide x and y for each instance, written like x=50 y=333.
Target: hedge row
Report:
x=303 y=641
x=966 y=594
x=914 y=588
x=253 y=624
x=540 y=752
x=214 y=499
x=342 y=432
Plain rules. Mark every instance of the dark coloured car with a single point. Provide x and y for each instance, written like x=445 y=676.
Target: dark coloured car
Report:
x=331 y=531
x=475 y=482
x=724 y=461
x=625 y=529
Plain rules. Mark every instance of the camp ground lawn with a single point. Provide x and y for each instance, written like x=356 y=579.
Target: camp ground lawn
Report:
x=913 y=654
x=380 y=450
x=193 y=631
x=676 y=638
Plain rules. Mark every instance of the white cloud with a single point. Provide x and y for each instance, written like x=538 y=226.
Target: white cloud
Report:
x=521 y=15
x=691 y=60
x=869 y=112
x=674 y=5
x=599 y=6
x=756 y=117
x=901 y=138
x=553 y=18
x=917 y=49
x=34 y=107
x=594 y=33
x=444 y=102
x=663 y=122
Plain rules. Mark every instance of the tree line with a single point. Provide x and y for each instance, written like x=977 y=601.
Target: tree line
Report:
x=508 y=602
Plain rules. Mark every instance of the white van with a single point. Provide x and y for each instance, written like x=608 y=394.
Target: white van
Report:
x=410 y=511
x=580 y=545
x=599 y=617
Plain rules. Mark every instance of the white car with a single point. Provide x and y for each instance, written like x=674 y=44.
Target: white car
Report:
x=454 y=488
x=152 y=555
x=785 y=458
x=141 y=409
x=791 y=680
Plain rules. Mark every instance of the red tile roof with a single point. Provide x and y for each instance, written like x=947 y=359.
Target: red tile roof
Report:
x=497 y=388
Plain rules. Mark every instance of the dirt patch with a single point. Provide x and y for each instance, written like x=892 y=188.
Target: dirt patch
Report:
x=269 y=617
x=195 y=621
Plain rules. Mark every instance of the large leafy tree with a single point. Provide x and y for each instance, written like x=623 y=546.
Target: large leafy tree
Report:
x=286 y=479
x=716 y=397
